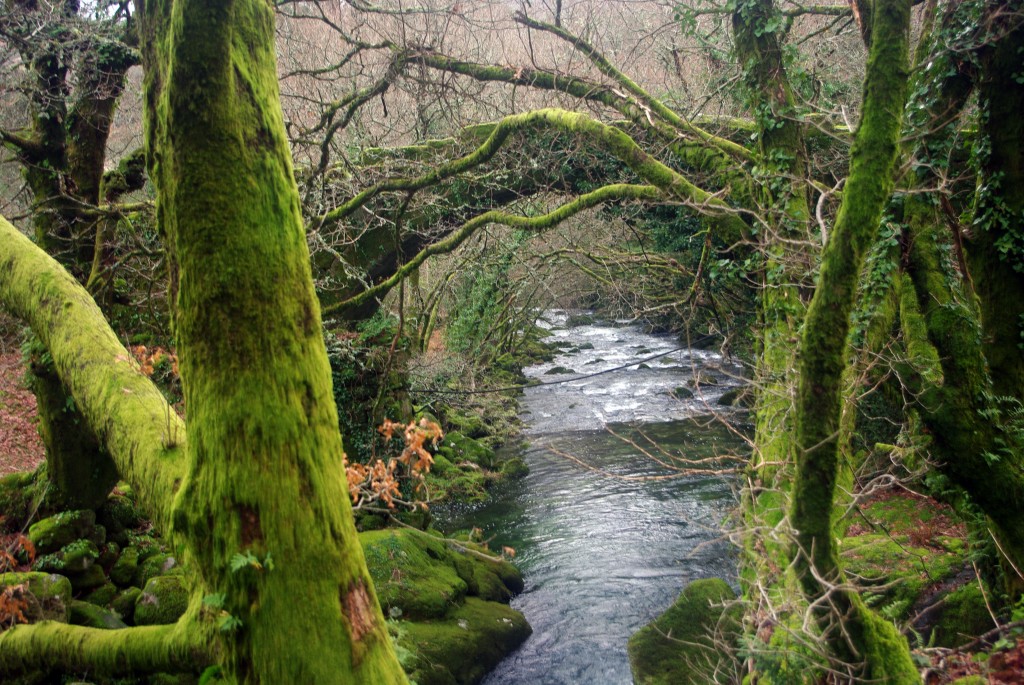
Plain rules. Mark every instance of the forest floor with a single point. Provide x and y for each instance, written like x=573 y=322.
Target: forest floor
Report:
x=21 y=448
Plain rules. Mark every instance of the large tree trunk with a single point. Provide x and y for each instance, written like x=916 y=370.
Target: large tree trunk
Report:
x=265 y=480
x=864 y=636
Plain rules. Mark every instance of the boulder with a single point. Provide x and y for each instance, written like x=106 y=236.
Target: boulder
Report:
x=50 y=534
x=465 y=645
x=47 y=596
x=92 y=616
x=679 y=647
x=163 y=600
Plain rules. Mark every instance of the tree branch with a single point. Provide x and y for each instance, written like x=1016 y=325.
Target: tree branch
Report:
x=176 y=648
x=129 y=416
x=604 y=194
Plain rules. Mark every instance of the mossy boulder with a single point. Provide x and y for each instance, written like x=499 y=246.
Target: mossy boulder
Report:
x=124 y=569
x=465 y=645
x=90 y=579
x=103 y=595
x=71 y=559
x=420 y=576
x=124 y=604
x=515 y=468
x=152 y=566
x=963 y=615
x=456 y=447
x=163 y=600
x=50 y=534
x=470 y=424
x=119 y=515
x=414 y=574
x=48 y=595
x=682 y=393
x=92 y=616
x=680 y=646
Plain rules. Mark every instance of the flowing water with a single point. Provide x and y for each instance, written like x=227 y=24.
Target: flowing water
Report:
x=604 y=538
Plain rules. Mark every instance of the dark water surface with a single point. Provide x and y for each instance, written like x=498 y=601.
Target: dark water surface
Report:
x=607 y=545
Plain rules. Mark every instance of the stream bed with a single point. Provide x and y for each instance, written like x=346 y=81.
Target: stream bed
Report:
x=605 y=536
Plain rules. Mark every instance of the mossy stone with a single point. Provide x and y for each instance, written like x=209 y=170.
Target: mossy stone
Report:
x=127 y=565
x=515 y=468
x=92 y=616
x=456 y=447
x=414 y=574
x=682 y=393
x=466 y=645
x=962 y=616
x=470 y=424
x=118 y=514
x=163 y=600
x=124 y=604
x=103 y=595
x=679 y=647
x=74 y=558
x=156 y=565
x=90 y=579
x=50 y=594
x=52 y=533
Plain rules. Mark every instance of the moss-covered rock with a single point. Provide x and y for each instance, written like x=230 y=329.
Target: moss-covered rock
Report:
x=149 y=567
x=49 y=595
x=515 y=468
x=73 y=558
x=963 y=615
x=118 y=515
x=124 y=604
x=456 y=447
x=50 y=534
x=92 y=616
x=124 y=569
x=88 y=580
x=103 y=595
x=419 y=576
x=163 y=600
x=414 y=574
x=465 y=645
x=679 y=647
x=469 y=424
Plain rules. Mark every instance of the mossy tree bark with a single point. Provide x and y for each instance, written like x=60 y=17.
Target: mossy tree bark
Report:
x=862 y=636
x=996 y=252
x=265 y=480
x=72 y=100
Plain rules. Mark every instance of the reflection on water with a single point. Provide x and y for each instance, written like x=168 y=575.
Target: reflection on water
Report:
x=604 y=551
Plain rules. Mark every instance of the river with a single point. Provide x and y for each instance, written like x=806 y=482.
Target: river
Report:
x=605 y=536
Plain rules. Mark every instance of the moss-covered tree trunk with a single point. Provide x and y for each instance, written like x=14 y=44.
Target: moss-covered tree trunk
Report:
x=264 y=506
x=854 y=633
x=996 y=251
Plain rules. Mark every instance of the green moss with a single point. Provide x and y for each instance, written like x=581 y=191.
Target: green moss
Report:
x=414 y=575
x=466 y=644
x=124 y=604
x=51 y=592
x=72 y=559
x=457 y=447
x=55 y=532
x=163 y=600
x=125 y=568
x=154 y=565
x=906 y=570
x=515 y=468
x=92 y=616
x=103 y=595
x=683 y=645
x=962 y=616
